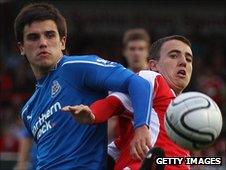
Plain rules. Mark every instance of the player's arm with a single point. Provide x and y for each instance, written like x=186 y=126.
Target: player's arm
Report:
x=97 y=75
x=106 y=108
x=114 y=77
x=100 y=75
x=118 y=78
x=99 y=112
x=25 y=144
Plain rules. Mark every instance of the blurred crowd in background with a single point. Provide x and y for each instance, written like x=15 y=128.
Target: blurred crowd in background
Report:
x=98 y=27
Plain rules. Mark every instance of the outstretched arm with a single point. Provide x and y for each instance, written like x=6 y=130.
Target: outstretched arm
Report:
x=106 y=108
x=99 y=112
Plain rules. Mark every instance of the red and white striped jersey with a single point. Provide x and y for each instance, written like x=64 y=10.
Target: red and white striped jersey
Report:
x=120 y=103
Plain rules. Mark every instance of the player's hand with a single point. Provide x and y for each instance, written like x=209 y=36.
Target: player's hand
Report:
x=141 y=143
x=81 y=113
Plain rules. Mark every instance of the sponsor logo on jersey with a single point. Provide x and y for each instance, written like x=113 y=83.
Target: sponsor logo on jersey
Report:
x=43 y=124
x=55 y=88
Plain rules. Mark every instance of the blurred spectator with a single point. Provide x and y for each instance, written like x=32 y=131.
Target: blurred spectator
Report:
x=10 y=125
x=213 y=85
x=6 y=84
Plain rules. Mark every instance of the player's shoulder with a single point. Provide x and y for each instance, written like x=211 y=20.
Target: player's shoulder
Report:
x=90 y=59
x=149 y=75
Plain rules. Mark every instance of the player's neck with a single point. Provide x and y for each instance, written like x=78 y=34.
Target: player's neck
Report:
x=41 y=72
x=177 y=92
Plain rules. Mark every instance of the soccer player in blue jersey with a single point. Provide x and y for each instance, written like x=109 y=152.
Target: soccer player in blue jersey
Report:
x=63 y=143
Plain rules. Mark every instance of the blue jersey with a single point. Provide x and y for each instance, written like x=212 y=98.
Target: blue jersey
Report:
x=63 y=143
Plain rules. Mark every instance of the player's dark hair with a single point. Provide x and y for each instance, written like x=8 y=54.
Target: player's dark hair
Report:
x=38 y=12
x=157 y=45
x=135 y=34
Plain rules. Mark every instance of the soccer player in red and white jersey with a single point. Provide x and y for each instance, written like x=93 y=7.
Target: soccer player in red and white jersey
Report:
x=170 y=56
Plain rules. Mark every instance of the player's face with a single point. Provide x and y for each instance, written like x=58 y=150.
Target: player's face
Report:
x=175 y=64
x=136 y=53
x=42 y=44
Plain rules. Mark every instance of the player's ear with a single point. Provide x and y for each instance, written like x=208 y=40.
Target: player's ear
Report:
x=153 y=65
x=63 y=42
x=21 y=47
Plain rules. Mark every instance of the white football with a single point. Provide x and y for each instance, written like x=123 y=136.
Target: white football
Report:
x=193 y=120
